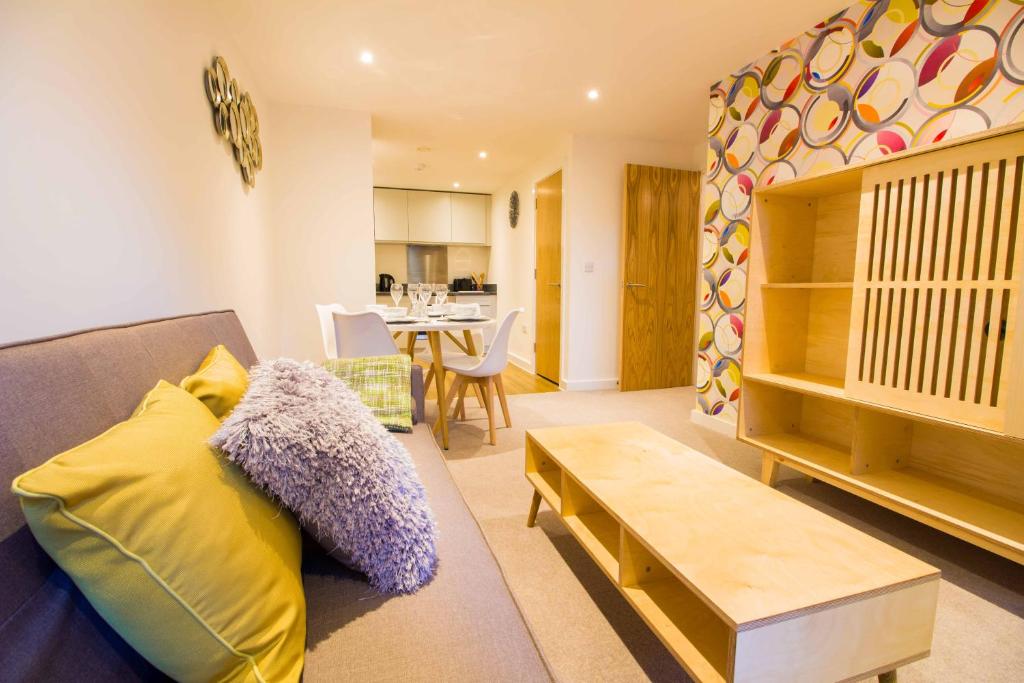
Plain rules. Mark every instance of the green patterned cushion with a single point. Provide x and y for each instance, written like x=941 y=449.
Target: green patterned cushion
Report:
x=382 y=382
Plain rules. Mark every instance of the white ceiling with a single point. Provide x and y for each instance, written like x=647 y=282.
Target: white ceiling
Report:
x=510 y=78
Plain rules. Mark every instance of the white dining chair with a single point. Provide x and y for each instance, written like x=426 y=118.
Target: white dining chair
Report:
x=484 y=372
x=362 y=334
x=325 y=313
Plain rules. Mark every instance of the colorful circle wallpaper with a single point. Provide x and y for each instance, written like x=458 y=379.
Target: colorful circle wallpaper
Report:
x=877 y=78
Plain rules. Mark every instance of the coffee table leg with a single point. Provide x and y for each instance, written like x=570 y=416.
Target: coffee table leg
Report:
x=531 y=519
x=887 y=677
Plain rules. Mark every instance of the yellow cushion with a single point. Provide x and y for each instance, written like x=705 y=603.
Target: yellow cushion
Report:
x=196 y=568
x=219 y=382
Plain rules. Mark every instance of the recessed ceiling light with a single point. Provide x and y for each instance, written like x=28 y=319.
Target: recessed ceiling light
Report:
x=482 y=154
x=366 y=57
x=593 y=94
x=455 y=184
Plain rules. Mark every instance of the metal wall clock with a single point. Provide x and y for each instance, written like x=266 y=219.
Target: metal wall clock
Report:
x=513 y=209
x=234 y=118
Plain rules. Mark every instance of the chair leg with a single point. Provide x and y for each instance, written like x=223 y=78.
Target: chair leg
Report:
x=501 y=397
x=456 y=385
x=479 y=395
x=429 y=377
x=460 y=407
x=487 y=384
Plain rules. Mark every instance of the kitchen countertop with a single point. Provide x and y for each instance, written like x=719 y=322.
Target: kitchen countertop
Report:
x=464 y=293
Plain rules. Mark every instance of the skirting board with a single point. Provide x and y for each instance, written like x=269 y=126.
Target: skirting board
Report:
x=520 y=362
x=702 y=419
x=589 y=384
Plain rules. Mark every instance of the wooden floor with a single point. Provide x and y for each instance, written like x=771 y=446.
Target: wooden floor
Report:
x=517 y=381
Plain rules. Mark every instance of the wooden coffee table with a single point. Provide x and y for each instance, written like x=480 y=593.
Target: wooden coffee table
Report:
x=739 y=581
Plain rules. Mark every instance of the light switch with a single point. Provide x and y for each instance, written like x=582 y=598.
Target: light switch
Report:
x=588 y=267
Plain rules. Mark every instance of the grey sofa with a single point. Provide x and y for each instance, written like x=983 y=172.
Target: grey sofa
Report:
x=60 y=391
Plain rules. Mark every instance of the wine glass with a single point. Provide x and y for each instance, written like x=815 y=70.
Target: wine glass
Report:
x=396 y=293
x=441 y=292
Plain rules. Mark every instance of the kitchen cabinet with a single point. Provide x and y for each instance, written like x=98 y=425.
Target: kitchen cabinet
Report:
x=469 y=218
x=390 y=215
x=430 y=216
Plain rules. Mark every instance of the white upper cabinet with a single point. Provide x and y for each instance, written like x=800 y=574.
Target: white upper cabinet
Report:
x=430 y=216
x=390 y=215
x=469 y=218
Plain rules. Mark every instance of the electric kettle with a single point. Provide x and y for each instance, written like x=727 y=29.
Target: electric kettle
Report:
x=384 y=285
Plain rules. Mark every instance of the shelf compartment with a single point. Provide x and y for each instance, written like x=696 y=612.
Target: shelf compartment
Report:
x=804 y=332
x=805 y=383
x=675 y=613
x=807 y=285
x=596 y=530
x=544 y=473
x=805 y=239
x=788 y=422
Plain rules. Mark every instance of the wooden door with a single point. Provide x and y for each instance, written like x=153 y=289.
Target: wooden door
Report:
x=936 y=288
x=549 y=276
x=659 y=271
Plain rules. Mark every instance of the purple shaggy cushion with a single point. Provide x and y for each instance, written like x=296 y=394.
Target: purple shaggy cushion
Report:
x=303 y=435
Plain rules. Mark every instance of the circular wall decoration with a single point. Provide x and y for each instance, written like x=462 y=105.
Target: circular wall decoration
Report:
x=707 y=289
x=877 y=145
x=955 y=69
x=706 y=332
x=725 y=375
x=883 y=94
x=825 y=116
x=952 y=123
x=776 y=172
x=886 y=28
x=947 y=17
x=234 y=118
x=1011 y=50
x=734 y=243
x=739 y=147
x=731 y=289
x=829 y=56
x=778 y=133
x=729 y=334
x=781 y=79
x=712 y=202
x=744 y=96
x=709 y=244
x=736 y=195
x=716 y=112
x=513 y=209
x=703 y=382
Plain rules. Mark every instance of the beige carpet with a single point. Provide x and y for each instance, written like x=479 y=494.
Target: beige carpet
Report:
x=588 y=632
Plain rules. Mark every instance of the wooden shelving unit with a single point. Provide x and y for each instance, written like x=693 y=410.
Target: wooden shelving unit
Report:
x=868 y=358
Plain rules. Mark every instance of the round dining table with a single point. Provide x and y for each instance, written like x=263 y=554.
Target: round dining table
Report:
x=434 y=328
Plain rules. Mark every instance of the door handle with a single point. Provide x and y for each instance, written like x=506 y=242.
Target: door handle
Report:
x=554 y=284
x=634 y=284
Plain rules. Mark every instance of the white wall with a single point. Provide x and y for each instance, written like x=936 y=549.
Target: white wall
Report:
x=321 y=180
x=117 y=200
x=593 y=233
x=514 y=252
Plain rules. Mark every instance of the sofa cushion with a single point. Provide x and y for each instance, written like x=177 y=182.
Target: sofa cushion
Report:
x=303 y=435
x=171 y=544
x=462 y=626
x=219 y=382
x=382 y=383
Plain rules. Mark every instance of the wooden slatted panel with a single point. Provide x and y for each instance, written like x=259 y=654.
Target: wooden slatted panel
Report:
x=937 y=282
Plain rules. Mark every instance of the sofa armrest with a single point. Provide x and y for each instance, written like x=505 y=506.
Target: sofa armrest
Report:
x=417 y=394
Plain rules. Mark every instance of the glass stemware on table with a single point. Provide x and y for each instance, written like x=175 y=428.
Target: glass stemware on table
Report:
x=396 y=293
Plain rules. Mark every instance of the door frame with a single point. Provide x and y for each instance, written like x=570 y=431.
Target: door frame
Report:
x=562 y=348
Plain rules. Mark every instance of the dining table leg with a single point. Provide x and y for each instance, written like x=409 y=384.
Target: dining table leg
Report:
x=410 y=345
x=442 y=402
x=471 y=350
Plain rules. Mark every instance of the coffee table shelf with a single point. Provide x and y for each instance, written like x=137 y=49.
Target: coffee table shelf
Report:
x=740 y=582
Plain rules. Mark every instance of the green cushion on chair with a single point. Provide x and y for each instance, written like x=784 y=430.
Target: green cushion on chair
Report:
x=382 y=383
